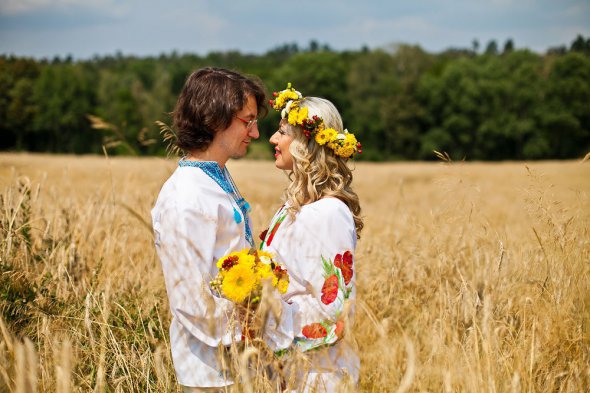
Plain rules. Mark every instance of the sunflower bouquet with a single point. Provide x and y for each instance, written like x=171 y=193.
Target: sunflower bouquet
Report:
x=241 y=276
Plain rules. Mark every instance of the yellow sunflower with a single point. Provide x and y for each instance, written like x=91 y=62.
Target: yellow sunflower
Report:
x=350 y=140
x=302 y=115
x=243 y=258
x=239 y=282
x=293 y=115
x=265 y=272
x=325 y=136
x=345 y=151
x=321 y=138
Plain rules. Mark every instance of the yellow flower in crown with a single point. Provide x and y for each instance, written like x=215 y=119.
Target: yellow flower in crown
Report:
x=324 y=136
x=289 y=94
x=333 y=144
x=239 y=282
x=293 y=115
x=302 y=115
x=350 y=140
x=345 y=151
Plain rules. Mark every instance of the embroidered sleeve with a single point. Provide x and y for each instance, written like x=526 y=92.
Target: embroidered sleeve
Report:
x=336 y=289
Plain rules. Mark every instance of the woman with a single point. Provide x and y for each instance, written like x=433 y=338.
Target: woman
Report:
x=314 y=236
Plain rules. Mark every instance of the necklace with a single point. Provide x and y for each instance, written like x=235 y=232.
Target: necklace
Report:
x=223 y=178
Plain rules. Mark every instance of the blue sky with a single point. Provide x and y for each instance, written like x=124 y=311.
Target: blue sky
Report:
x=83 y=28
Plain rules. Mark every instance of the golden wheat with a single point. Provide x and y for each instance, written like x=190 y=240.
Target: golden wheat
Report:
x=472 y=277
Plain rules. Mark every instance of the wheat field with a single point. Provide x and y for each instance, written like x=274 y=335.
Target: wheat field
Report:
x=472 y=277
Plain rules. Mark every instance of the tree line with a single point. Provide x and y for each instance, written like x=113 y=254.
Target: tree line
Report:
x=401 y=101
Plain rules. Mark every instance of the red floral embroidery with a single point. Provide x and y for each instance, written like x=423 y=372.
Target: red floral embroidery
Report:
x=330 y=289
x=314 y=330
x=282 y=215
x=274 y=231
x=339 y=331
x=344 y=263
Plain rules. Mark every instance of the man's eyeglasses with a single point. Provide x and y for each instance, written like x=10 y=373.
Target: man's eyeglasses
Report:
x=249 y=123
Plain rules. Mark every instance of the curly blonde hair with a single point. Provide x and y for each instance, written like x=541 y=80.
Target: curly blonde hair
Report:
x=317 y=172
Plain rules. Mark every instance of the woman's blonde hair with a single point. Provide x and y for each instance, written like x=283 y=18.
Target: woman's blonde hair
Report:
x=317 y=171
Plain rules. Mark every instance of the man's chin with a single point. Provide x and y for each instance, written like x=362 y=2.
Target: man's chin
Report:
x=239 y=155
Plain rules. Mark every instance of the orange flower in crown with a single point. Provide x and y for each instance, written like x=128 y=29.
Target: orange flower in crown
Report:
x=344 y=144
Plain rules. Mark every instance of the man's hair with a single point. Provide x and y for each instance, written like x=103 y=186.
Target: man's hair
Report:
x=208 y=102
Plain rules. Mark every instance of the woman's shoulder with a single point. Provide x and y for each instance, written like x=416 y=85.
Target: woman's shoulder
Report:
x=332 y=209
x=329 y=204
x=327 y=221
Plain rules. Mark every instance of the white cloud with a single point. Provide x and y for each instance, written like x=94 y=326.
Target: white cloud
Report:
x=578 y=9
x=202 y=21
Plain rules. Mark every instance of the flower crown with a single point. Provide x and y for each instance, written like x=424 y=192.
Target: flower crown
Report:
x=344 y=144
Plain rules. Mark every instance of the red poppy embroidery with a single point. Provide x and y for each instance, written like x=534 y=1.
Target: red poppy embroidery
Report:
x=344 y=263
x=314 y=330
x=330 y=289
x=339 y=331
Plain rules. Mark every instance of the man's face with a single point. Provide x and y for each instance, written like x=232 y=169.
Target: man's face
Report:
x=234 y=140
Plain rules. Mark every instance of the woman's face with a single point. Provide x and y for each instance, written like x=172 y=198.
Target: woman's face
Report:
x=281 y=140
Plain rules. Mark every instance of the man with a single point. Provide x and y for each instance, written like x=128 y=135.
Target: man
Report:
x=200 y=216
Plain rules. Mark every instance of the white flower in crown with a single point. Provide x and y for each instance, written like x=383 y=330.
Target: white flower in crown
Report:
x=341 y=137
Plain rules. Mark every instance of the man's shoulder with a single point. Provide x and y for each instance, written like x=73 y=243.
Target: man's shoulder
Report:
x=190 y=187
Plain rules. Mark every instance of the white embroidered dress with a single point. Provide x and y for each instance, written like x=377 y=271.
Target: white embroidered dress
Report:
x=317 y=249
x=194 y=225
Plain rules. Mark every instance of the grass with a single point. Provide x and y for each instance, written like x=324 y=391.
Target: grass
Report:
x=472 y=277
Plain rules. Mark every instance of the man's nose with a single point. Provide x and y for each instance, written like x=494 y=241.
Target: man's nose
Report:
x=254 y=132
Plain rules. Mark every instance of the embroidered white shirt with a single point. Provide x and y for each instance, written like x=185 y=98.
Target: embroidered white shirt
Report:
x=318 y=250
x=194 y=226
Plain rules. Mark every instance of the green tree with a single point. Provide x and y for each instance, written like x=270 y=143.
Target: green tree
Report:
x=63 y=95
x=492 y=48
x=508 y=46
x=403 y=115
x=566 y=115
x=581 y=45
x=371 y=85
x=16 y=106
